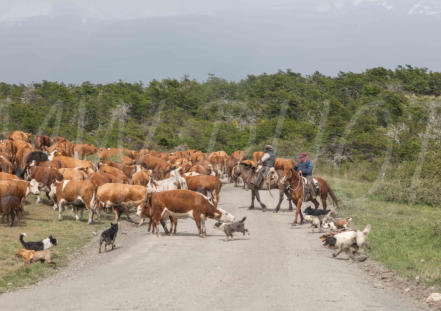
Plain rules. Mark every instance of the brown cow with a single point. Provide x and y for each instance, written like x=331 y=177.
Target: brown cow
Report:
x=18 y=188
x=41 y=141
x=8 y=148
x=6 y=176
x=200 y=169
x=282 y=164
x=19 y=135
x=79 y=193
x=159 y=166
x=82 y=150
x=45 y=177
x=5 y=165
x=73 y=173
x=20 y=158
x=205 y=184
x=121 y=197
x=115 y=172
x=238 y=155
x=68 y=162
x=128 y=170
x=197 y=156
x=230 y=164
x=257 y=156
x=141 y=178
x=181 y=204
x=65 y=147
x=100 y=179
x=10 y=206
x=127 y=160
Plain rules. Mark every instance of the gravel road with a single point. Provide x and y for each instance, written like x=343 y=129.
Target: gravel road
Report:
x=277 y=267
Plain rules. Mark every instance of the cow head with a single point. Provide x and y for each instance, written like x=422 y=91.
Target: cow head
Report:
x=33 y=187
x=223 y=216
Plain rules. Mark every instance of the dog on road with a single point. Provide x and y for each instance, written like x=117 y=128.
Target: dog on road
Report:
x=229 y=229
x=108 y=237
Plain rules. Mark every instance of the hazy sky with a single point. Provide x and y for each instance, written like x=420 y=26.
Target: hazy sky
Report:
x=139 y=40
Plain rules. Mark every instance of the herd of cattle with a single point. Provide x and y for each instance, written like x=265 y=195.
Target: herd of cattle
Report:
x=160 y=186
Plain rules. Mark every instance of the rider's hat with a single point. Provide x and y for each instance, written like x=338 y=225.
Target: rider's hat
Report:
x=302 y=155
x=268 y=147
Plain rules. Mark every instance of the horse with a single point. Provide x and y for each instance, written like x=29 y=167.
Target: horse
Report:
x=246 y=170
x=295 y=181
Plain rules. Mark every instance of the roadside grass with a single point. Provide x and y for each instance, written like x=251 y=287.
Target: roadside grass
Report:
x=405 y=238
x=39 y=221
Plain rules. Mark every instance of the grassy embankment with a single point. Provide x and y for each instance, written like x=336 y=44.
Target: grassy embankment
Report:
x=39 y=222
x=405 y=238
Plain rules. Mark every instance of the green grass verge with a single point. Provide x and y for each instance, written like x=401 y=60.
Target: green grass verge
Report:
x=405 y=238
x=39 y=222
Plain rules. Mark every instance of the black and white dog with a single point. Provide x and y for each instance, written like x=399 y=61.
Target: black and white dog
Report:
x=108 y=237
x=40 y=245
x=315 y=212
x=229 y=229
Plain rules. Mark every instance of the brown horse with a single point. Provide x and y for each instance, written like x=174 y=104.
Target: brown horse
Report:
x=246 y=171
x=296 y=188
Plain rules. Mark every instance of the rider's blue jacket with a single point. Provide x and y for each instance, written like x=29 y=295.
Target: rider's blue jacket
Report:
x=306 y=167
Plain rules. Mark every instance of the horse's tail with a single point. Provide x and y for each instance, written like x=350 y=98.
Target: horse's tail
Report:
x=332 y=194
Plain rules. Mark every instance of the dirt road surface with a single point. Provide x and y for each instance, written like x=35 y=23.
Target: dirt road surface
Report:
x=277 y=267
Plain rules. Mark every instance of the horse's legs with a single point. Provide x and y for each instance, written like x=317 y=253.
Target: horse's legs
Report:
x=298 y=210
x=252 y=199
x=288 y=197
x=316 y=203
x=281 y=192
x=258 y=200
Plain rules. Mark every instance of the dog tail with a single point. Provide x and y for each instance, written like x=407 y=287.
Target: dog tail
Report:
x=243 y=219
x=21 y=239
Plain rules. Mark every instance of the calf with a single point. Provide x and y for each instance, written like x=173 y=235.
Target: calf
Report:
x=45 y=177
x=205 y=184
x=182 y=204
x=79 y=193
x=121 y=197
x=10 y=206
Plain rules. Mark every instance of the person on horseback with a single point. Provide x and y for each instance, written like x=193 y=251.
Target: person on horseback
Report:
x=265 y=164
x=305 y=168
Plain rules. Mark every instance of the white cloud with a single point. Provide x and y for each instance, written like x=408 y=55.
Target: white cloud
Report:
x=425 y=7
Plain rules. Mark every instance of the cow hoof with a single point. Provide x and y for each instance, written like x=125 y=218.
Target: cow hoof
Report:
x=251 y=207
x=276 y=211
x=293 y=224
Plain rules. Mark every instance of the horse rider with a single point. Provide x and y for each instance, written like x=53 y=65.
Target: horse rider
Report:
x=304 y=168
x=267 y=162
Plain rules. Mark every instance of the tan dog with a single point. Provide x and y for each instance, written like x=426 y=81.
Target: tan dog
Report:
x=45 y=256
x=26 y=255
x=30 y=256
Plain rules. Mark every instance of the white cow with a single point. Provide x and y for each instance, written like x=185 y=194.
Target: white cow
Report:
x=175 y=181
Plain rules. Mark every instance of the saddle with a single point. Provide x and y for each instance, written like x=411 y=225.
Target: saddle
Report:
x=307 y=190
